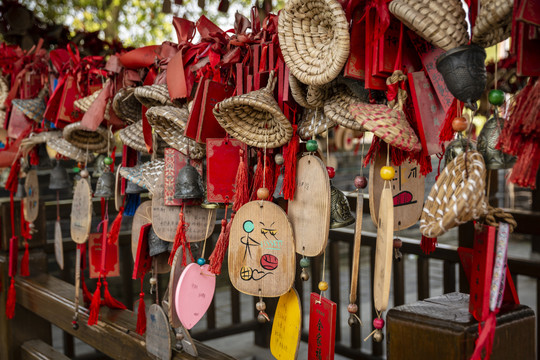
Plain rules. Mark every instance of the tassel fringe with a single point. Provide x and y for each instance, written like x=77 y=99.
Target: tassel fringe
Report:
x=428 y=245
x=289 y=175
x=25 y=269
x=141 y=313
x=222 y=244
x=108 y=300
x=241 y=194
x=11 y=299
x=94 y=306
x=112 y=237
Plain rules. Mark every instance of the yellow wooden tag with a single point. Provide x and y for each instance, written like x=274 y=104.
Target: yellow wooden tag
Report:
x=287 y=326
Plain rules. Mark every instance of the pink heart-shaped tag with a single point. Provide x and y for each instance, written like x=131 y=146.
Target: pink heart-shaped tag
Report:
x=194 y=294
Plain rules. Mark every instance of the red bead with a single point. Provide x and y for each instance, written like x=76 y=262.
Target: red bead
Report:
x=352 y=308
x=331 y=172
x=378 y=323
x=460 y=124
x=360 y=182
x=398 y=243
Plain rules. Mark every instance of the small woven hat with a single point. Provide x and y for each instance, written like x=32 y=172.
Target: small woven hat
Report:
x=336 y=108
x=388 y=121
x=65 y=148
x=314 y=39
x=126 y=106
x=169 y=123
x=95 y=141
x=153 y=95
x=441 y=22
x=132 y=136
x=457 y=197
x=493 y=23
x=33 y=108
x=308 y=96
x=255 y=118
x=84 y=103
x=313 y=122
x=145 y=175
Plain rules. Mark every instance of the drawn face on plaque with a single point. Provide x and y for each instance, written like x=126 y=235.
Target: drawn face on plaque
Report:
x=262 y=251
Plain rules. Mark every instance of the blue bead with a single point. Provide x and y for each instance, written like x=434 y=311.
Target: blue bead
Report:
x=201 y=261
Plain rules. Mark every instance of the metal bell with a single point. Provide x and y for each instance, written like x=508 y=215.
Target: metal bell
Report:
x=132 y=188
x=44 y=159
x=105 y=185
x=156 y=246
x=456 y=148
x=487 y=140
x=464 y=72
x=188 y=183
x=340 y=211
x=99 y=166
x=59 y=179
x=278 y=192
x=21 y=193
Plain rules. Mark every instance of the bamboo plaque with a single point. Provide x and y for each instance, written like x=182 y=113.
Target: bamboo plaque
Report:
x=81 y=212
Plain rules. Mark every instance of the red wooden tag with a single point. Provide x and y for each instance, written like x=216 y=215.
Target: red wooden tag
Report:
x=322 y=328
x=193 y=121
x=31 y=85
x=95 y=244
x=239 y=79
x=372 y=82
x=355 y=66
x=386 y=50
x=222 y=160
x=529 y=11
x=528 y=50
x=481 y=271
x=174 y=161
x=208 y=127
x=70 y=93
x=143 y=261
x=13 y=256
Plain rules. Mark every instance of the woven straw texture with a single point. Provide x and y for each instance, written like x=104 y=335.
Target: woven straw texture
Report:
x=441 y=22
x=4 y=90
x=309 y=96
x=314 y=39
x=494 y=22
x=336 y=108
x=457 y=197
x=126 y=106
x=388 y=122
x=33 y=108
x=153 y=95
x=63 y=147
x=145 y=175
x=132 y=136
x=255 y=118
x=169 y=123
x=84 y=103
x=313 y=123
x=95 y=141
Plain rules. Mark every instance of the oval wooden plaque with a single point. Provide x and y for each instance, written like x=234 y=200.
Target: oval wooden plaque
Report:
x=176 y=271
x=383 y=253
x=261 y=250
x=200 y=222
x=287 y=326
x=309 y=212
x=58 y=245
x=143 y=216
x=118 y=197
x=31 y=200
x=407 y=192
x=81 y=212
x=158 y=333
x=164 y=218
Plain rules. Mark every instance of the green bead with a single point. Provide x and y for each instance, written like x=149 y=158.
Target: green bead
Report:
x=312 y=145
x=108 y=160
x=304 y=262
x=496 y=97
x=201 y=261
x=76 y=170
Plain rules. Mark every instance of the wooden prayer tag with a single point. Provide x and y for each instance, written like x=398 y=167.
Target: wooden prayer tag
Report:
x=222 y=160
x=31 y=200
x=176 y=271
x=81 y=212
x=111 y=265
x=383 y=254
x=309 y=212
x=161 y=263
x=118 y=197
x=287 y=327
x=194 y=293
x=58 y=245
x=407 y=192
x=142 y=216
x=158 y=333
x=164 y=218
x=200 y=222
x=322 y=328
x=261 y=250
x=143 y=261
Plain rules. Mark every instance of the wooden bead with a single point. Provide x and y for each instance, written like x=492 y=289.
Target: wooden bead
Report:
x=260 y=306
x=84 y=173
x=153 y=281
x=360 y=182
x=496 y=97
x=304 y=262
x=323 y=286
x=263 y=193
x=378 y=323
x=460 y=124
x=387 y=173
x=352 y=308
x=398 y=243
x=279 y=159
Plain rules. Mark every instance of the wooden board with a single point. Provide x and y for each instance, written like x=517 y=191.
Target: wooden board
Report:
x=287 y=326
x=176 y=271
x=309 y=212
x=81 y=212
x=158 y=333
x=164 y=218
x=118 y=197
x=142 y=216
x=322 y=328
x=261 y=250
x=31 y=200
x=201 y=222
x=407 y=192
x=58 y=245
x=161 y=263
x=383 y=254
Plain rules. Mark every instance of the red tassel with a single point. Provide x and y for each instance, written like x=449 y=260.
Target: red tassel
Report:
x=485 y=337
x=11 y=299
x=289 y=175
x=180 y=239
x=428 y=245
x=87 y=295
x=447 y=132
x=258 y=178
x=13 y=178
x=241 y=194
x=218 y=255
x=115 y=227
x=108 y=300
x=141 y=313
x=94 y=306
x=25 y=269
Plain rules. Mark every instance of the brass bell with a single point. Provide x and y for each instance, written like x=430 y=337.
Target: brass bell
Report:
x=99 y=166
x=456 y=148
x=188 y=183
x=132 y=188
x=156 y=246
x=487 y=140
x=21 y=193
x=340 y=211
x=59 y=179
x=105 y=185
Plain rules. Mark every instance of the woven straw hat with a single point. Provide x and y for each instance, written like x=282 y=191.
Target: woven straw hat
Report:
x=255 y=118
x=336 y=108
x=388 y=121
x=145 y=175
x=65 y=148
x=457 y=197
x=126 y=106
x=84 y=103
x=494 y=22
x=132 y=136
x=33 y=108
x=95 y=141
x=153 y=95
x=169 y=123
x=441 y=22
x=309 y=96
x=313 y=122
x=314 y=39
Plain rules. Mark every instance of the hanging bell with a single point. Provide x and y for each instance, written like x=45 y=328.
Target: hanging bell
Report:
x=99 y=166
x=21 y=193
x=132 y=188
x=105 y=185
x=278 y=192
x=156 y=246
x=340 y=212
x=188 y=183
x=44 y=159
x=487 y=140
x=456 y=148
x=59 y=179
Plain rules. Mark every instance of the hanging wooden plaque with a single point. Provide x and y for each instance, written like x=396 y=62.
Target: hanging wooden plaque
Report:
x=176 y=271
x=31 y=200
x=81 y=212
x=118 y=197
x=383 y=254
x=158 y=333
x=287 y=327
x=58 y=245
x=164 y=218
x=107 y=263
x=142 y=216
x=309 y=212
x=261 y=250
x=161 y=263
x=322 y=328
x=407 y=192
x=200 y=222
